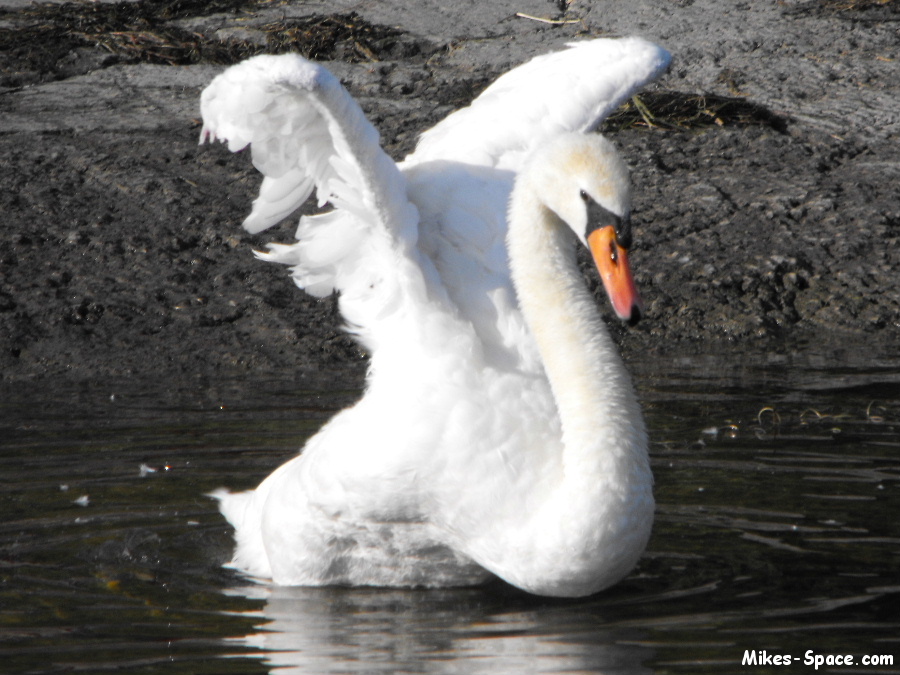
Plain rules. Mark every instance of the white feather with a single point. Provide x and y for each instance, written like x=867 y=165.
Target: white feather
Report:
x=570 y=90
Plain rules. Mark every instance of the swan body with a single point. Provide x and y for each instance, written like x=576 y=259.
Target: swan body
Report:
x=499 y=433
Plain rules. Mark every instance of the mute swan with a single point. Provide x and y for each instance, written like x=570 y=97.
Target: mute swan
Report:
x=499 y=432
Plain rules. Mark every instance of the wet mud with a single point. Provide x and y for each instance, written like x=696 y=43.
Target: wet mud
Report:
x=765 y=166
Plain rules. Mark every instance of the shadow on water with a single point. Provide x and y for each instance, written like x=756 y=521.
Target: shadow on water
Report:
x=776 y=530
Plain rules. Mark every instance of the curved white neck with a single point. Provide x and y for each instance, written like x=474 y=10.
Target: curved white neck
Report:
x=599 y=516
x=603 y=429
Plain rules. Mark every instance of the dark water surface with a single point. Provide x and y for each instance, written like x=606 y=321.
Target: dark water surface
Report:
x=778 y=529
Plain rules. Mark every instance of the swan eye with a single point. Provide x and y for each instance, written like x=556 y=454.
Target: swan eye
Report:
x=585 y=197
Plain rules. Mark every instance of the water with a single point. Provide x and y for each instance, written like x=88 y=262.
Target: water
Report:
x=777 y=529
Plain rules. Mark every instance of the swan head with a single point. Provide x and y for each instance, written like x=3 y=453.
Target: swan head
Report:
x=583 y=180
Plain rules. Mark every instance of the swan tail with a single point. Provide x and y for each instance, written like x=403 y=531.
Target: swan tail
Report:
x=565 y=91
x=241 y=511
x=306 y=133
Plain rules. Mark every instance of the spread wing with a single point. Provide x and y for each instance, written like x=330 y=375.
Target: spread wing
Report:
x=570 y=90
x=306 y=132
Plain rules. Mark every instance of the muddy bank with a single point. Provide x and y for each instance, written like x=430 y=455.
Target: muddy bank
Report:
x=122 y=253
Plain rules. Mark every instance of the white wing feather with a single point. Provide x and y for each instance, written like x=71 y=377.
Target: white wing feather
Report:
x=569 y=90
x=305 y=132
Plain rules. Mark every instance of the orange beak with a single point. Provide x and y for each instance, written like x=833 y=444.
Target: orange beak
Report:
x=612 y=263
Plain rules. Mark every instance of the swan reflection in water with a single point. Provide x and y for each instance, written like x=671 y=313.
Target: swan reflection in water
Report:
x=371 y=630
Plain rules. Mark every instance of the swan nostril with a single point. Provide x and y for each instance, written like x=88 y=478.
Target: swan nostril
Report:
x=613 y=252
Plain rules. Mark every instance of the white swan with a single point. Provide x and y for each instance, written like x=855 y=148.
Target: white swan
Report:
x=499 y=432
